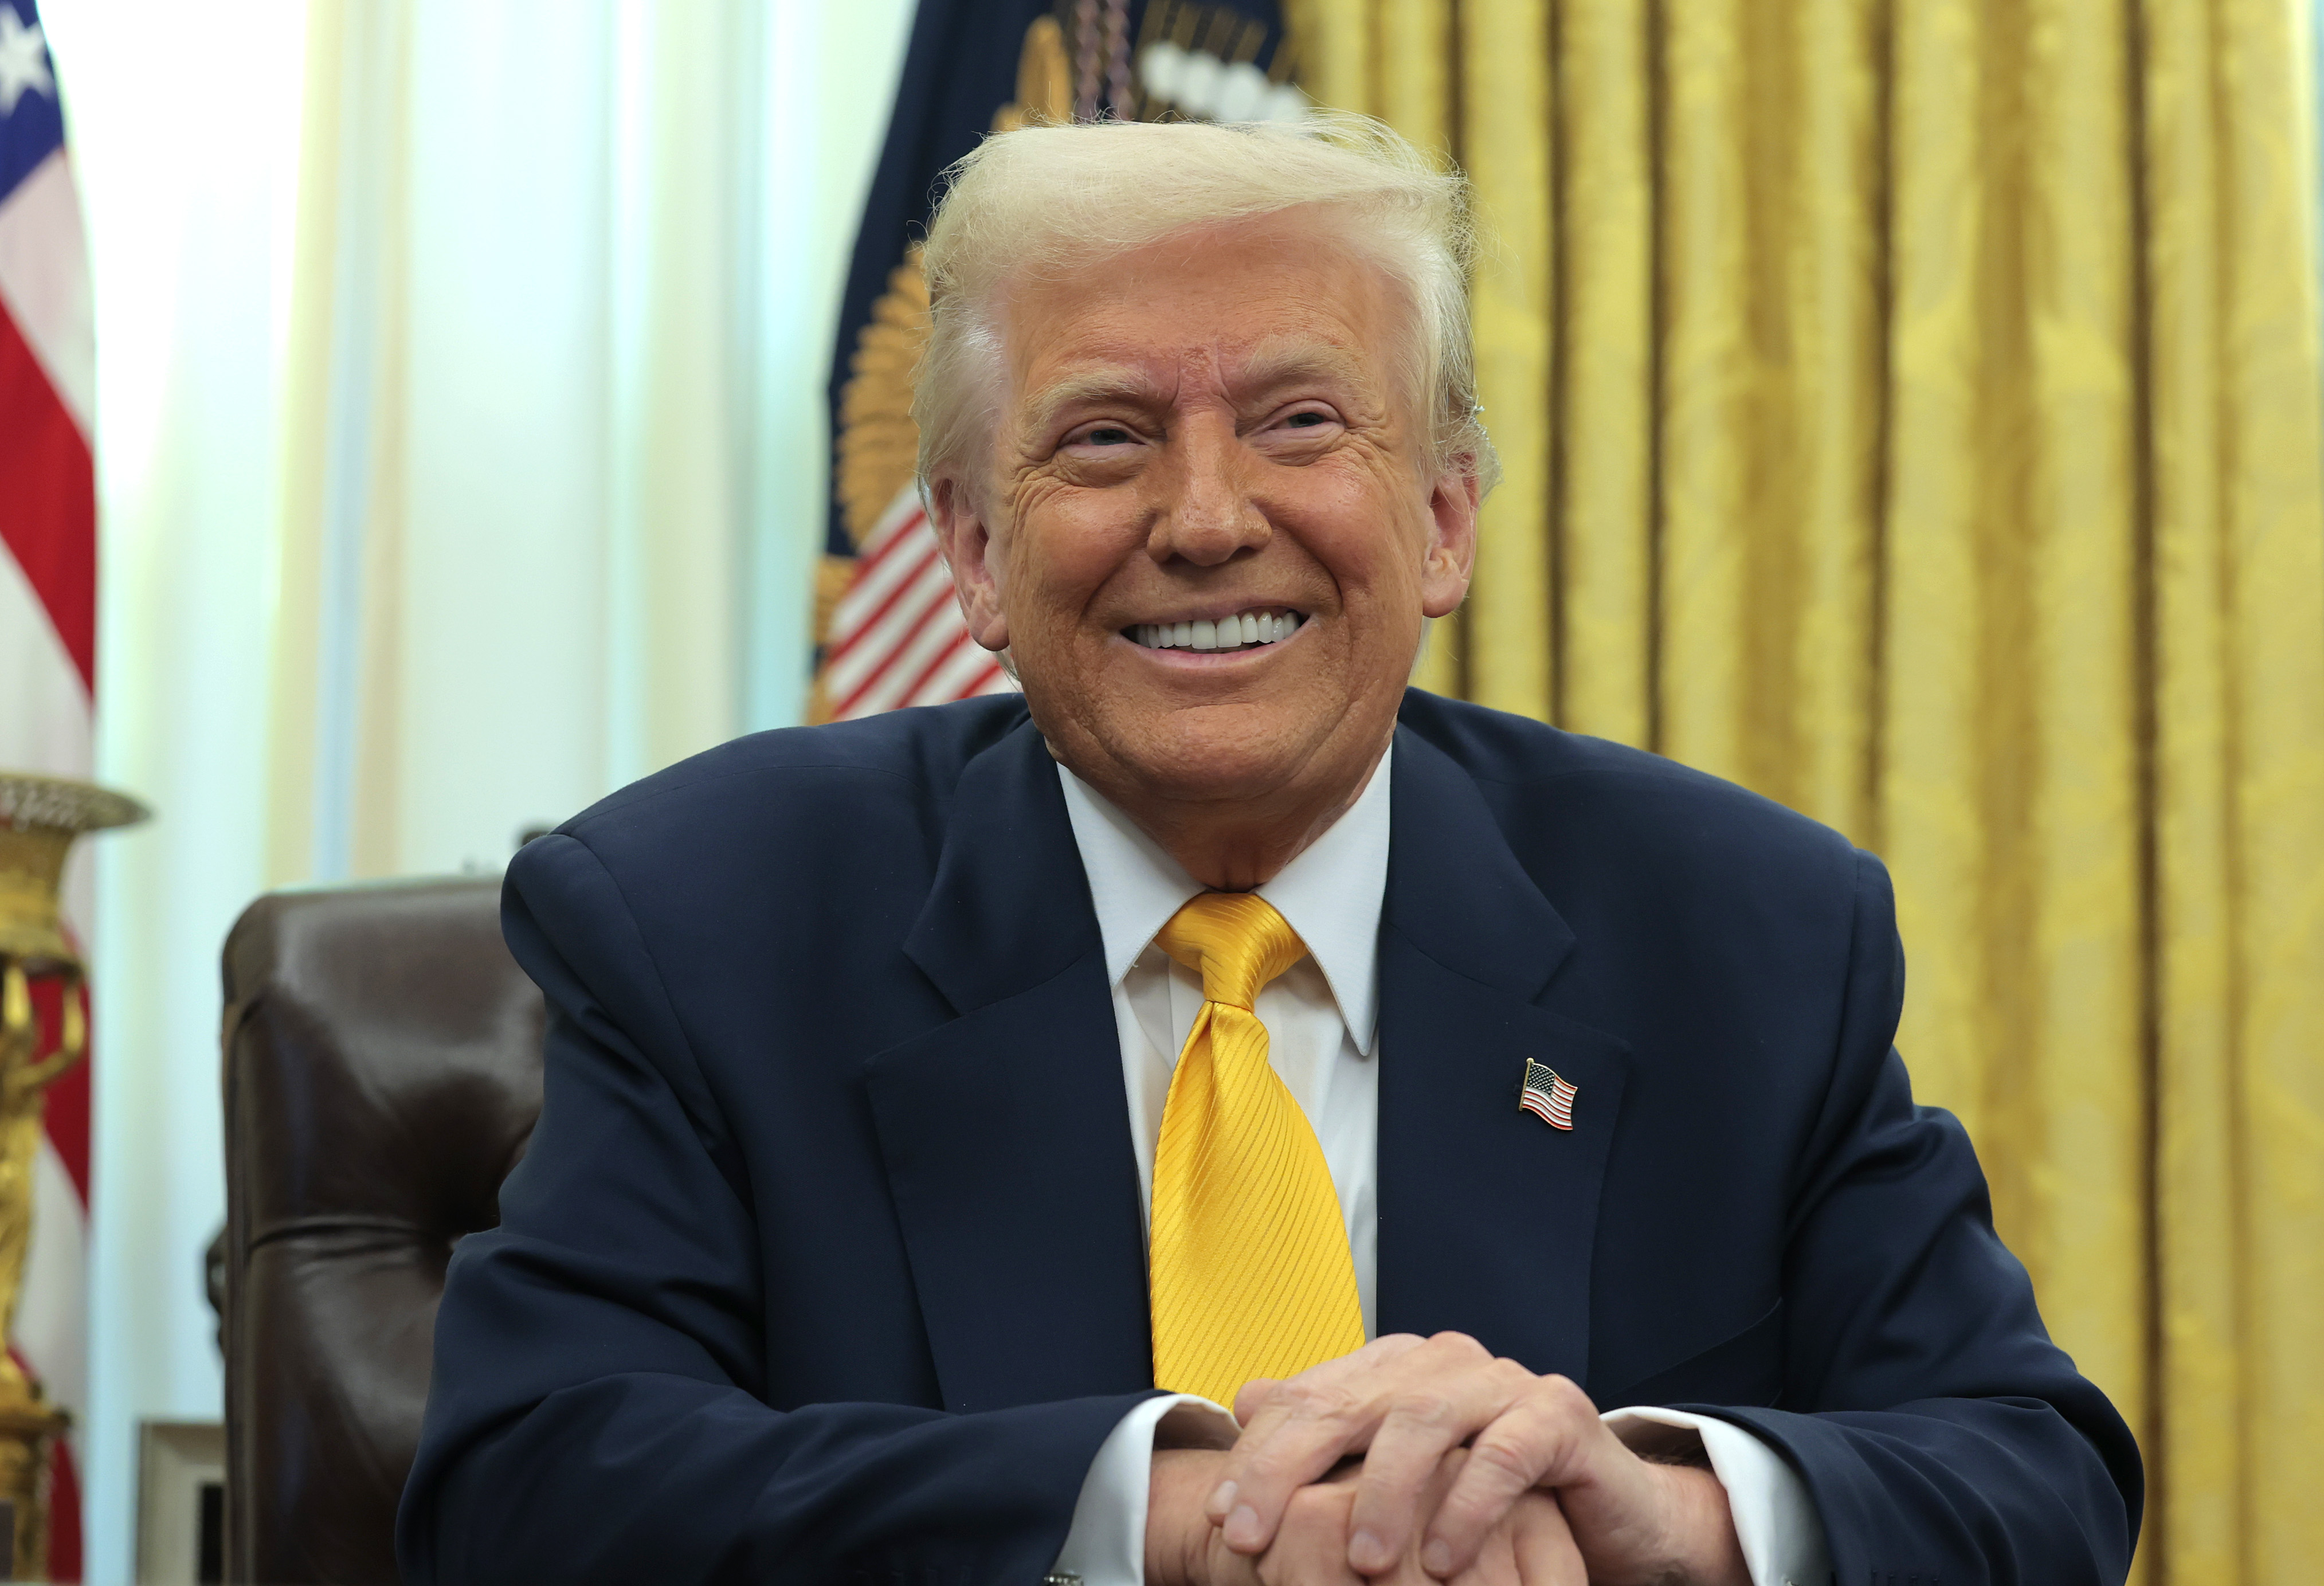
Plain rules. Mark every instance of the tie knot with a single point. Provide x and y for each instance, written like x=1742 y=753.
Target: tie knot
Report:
x=1235 y=941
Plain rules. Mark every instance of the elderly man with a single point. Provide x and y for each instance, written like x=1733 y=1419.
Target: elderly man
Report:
x=947 y=1115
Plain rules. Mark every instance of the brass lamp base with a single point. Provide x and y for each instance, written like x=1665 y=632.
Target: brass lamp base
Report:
x=39 y=817
x=29 y=1430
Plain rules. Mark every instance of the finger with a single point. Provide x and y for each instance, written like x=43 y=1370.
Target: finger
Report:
x=1543 y=1544
x=1495 y=1563
x=1320 y=1416
x=1277 y=1401
x=1422 y=1425
x=1306 y=1425
x=1311 y=1544
x=1223 y=1566
x=1546 y=1438
x=1254 y=1397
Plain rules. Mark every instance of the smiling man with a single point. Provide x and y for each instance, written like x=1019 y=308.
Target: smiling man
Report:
x=950 y=1117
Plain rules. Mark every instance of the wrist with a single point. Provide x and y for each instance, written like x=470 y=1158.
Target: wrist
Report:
x=1701 y=1526
x=1177 y=1528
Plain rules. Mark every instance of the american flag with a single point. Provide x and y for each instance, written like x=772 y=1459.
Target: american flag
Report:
x=897 y=636
x=48 y=647
x=1546 y=1096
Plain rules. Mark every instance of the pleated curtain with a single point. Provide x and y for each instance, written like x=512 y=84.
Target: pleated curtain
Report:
x=1911 y=411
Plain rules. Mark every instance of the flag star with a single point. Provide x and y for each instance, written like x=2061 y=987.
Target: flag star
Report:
x=24 y=61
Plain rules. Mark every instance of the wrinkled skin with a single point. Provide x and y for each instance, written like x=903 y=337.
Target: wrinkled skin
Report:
x=1528 y=1546
x=1198 y=428
x=1216 y=424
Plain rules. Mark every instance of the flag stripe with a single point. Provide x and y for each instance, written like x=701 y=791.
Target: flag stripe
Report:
x=900 y=659
x=953 y=656
x=886 y=594
x=46 y=724
x=50 y=524
x=969 y=672
x=892 y=530
x=897 y=636
x=896 y=560
x=44 y=283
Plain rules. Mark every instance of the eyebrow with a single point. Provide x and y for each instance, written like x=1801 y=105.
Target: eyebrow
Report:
x=1267 y=368
x=1098 y=385
x=1282 y=363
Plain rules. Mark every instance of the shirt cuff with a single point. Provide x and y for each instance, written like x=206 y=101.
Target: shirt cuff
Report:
x=1775 y=1519
x=1107 y=1544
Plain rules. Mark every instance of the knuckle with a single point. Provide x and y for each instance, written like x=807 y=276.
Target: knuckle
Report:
x=1312 y=1513
x=1459 y=1344
x=1424 y=1408
x=1566 y=1395
x=1324 y=1401
x=1504 y=1458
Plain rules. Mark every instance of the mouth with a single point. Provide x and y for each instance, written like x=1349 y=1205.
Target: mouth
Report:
x=1255 y=628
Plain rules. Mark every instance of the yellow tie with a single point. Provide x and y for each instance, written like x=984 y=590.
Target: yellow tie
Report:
x=1251 y=1274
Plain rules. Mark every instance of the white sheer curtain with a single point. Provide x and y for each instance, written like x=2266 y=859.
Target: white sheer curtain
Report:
x=460 y=449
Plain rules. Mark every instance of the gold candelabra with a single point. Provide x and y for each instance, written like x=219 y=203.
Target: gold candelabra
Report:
x=39 y=817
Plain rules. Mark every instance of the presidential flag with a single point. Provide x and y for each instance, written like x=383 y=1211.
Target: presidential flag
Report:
x=890 y=630
x=48 y=647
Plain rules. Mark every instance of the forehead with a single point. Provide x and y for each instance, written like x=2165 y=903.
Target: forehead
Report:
x=1245 y=305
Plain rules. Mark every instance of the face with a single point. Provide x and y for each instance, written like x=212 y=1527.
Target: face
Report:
x=1207 y=530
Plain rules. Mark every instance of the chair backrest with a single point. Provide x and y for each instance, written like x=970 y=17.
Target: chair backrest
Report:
x=383 y=1074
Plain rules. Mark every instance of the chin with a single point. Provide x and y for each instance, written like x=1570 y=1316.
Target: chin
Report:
x=1217 y=759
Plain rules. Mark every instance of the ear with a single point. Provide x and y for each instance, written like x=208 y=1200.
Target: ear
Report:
x=1452 y=554
x=974 y=554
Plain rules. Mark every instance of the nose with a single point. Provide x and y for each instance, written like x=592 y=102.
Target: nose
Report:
x=1207 y=513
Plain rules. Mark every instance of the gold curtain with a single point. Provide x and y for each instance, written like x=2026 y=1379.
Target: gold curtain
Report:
x=1912 y=410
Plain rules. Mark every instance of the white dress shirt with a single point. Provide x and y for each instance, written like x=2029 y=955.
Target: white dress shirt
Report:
x=1320 y=1019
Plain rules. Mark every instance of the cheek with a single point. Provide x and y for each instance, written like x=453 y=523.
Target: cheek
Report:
x=1064 y=551
x=1371 y=562
x=1367 y=533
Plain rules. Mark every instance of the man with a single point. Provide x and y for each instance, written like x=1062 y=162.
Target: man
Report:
x=923 y=1092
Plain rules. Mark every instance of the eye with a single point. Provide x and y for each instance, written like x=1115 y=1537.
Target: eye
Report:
x=1104 y=435
x=1301 y=420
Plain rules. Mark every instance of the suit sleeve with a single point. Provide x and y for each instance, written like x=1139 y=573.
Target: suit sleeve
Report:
x=1943 y=1437
x=595 y=1412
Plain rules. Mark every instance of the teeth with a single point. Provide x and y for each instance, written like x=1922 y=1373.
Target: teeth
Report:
x=1235 y=632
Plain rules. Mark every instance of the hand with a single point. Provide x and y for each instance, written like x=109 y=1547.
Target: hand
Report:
x=1529 y=1546
x=1406 y=1403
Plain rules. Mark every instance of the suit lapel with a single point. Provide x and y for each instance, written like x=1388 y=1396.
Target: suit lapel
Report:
x=1006 y=1133
x=1487 y=1216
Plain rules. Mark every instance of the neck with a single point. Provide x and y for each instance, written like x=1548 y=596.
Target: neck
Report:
x=1233 y=845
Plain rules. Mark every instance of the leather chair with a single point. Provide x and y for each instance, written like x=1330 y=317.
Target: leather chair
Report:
x=383 y=1074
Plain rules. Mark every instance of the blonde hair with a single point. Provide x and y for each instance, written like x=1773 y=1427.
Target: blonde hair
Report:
x=1054 y=198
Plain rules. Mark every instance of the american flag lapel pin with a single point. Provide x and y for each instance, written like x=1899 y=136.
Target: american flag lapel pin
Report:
x=1546 y=1096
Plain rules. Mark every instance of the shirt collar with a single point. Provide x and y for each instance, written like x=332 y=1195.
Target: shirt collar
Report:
x=1330 y=894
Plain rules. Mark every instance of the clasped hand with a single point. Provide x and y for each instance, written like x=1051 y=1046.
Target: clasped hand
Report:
x=1416 y=1461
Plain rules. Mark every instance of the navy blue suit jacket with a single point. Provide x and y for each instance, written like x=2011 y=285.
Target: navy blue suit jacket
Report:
x=825 y=1261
